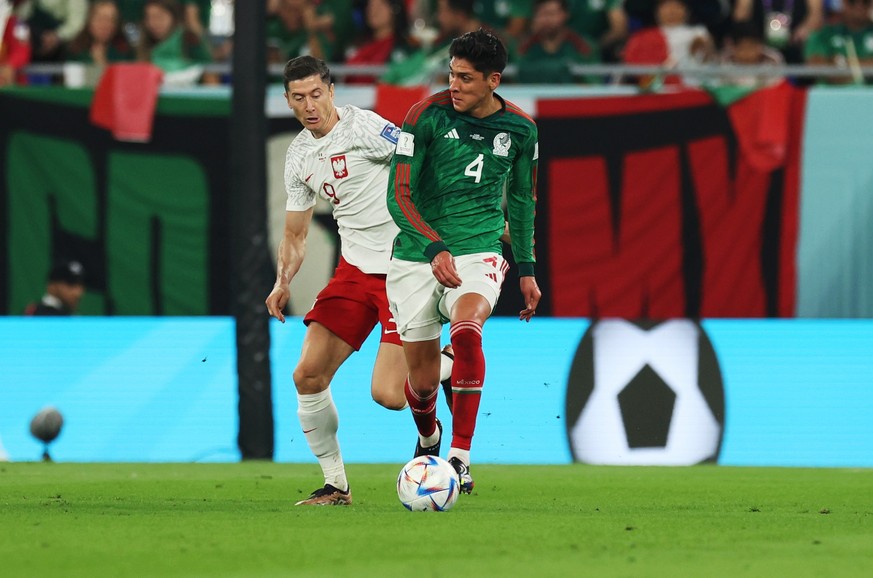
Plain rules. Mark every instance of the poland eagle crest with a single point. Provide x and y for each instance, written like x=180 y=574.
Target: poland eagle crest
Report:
x=340 y=170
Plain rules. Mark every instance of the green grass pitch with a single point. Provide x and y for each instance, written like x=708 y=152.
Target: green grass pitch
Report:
x=222 y=520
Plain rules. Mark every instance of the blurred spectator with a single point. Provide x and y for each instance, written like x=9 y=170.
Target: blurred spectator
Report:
x=714 y=14
x=331 y=20
x=52 y=23
x=195 y=13
x=167 y=43
x=603 y=21
x=387 y=37
x=289 y=34
x=746 y=47
x=64 y=290
x=14 y=45
x=334 y=19
x=455 y=17
x=546 y=56
x=101 y=41
x=197 y=16
x=672 y=43
x=508 y=18
x=786 y=24
x=847 y=43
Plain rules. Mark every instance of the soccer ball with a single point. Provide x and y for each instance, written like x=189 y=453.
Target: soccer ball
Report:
x=428 y=483
x=645 y=393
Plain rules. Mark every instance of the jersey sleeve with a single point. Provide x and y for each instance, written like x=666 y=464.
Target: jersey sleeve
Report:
x=521 y=199
x=300 y=196
x=381 y=137
x=412 y=145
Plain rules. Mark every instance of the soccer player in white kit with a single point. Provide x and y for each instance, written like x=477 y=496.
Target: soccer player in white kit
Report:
x=343 y=156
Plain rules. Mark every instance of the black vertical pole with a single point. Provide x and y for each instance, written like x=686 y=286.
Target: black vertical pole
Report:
x=250 y=259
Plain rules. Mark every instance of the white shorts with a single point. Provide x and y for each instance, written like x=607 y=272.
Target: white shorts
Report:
x=421 y=305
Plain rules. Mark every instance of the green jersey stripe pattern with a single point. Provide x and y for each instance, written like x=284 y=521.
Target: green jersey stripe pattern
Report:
x=448 y=177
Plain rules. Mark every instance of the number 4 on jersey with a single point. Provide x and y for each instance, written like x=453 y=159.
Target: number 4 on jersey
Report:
x=474 y=169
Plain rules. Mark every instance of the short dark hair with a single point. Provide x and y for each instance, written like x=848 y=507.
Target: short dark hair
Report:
x=482 y=49
x=746 y=31
x=69 y=272
x=304 y=67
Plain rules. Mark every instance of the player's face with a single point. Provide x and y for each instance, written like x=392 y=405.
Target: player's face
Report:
x=472 y=91
x=312 y=102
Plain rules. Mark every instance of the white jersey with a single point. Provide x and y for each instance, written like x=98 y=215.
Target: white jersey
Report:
x=348 y=167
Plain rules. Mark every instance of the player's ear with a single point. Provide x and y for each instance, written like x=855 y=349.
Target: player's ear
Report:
x=494 y=80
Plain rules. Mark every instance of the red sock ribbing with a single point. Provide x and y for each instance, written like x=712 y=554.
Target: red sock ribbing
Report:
x=423 y=410
x=468 y=376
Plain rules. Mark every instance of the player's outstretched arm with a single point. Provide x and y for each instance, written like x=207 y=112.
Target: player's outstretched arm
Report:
x=532 y=295
x=289 y=257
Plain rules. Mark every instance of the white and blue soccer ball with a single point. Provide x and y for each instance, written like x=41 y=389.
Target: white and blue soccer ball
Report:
x=428 y=483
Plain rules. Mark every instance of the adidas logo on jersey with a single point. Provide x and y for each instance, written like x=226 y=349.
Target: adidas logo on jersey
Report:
x=452 y=134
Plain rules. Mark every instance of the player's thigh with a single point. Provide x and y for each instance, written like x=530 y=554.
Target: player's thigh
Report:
x=322 y=354
x=482 y=276
x=346 y=306
x=389 y=375
x=413 y=293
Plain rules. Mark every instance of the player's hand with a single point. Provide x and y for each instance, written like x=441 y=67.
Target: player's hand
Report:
x=443 y=267
x=532 y=294
x=276 y=301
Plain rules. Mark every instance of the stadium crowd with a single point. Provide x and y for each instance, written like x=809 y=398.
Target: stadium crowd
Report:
x=406 y=41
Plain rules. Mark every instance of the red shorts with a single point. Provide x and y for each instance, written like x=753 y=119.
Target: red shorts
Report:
x=351 y=304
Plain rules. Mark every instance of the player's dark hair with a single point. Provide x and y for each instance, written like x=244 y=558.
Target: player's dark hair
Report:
x=482 y=49
x=305 y=66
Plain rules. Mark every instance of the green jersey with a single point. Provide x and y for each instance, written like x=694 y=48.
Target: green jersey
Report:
x=836 y=43
x=448 y=176
x=591 y=17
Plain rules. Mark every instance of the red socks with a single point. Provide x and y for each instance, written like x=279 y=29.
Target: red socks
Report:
x=423 y=410
x=468 y=376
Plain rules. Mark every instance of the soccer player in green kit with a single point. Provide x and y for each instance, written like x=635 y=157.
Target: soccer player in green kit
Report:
x=456 y=152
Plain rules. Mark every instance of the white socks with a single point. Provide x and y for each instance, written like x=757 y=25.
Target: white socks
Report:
x=463 y=455
x=430 y=440
x=319 y=421
x=446 y=363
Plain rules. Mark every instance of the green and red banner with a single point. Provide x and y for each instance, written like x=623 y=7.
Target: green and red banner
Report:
x=657 y=206
x=661 y=206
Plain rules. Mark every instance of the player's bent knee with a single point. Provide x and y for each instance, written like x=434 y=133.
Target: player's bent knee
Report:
x=308 y=382
x=389 y=394
x=393 y=400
